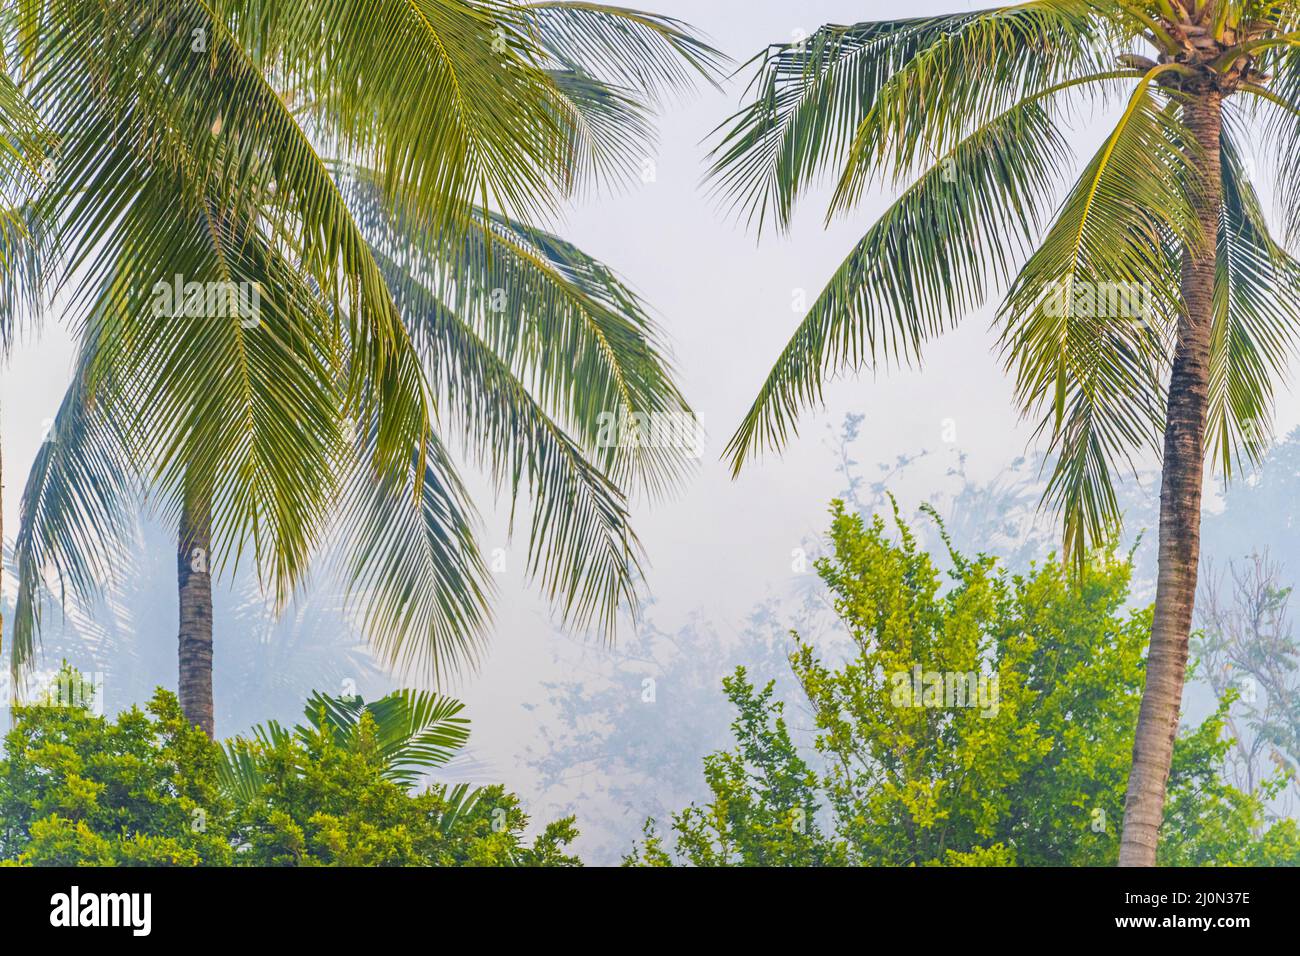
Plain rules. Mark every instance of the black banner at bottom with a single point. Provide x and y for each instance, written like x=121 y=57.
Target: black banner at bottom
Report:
x=142 y=906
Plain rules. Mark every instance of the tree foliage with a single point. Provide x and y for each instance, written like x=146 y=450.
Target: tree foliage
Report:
x=339 y=790
x=217 y=142
x=1028 y=770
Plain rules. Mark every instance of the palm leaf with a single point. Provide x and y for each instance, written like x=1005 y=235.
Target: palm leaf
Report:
x=978 y=68
x=75 y=510
x=822 y=103
x=415 y=730
x=651 y=54
x=1095 y=375
x=412 y=567
x=581 y=546
x=156 y=107
x=1254 y=337
x=920 y=266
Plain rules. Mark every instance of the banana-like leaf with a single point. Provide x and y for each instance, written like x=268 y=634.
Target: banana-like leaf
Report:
x=414 y=732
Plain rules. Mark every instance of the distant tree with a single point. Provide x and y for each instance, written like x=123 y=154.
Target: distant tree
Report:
x=1252 y=661
x=621 y=734
x=1259 y=512
x=1001 y=515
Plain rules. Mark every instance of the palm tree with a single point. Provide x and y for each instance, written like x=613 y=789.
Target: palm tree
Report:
x=967 y=109
x=190 y=142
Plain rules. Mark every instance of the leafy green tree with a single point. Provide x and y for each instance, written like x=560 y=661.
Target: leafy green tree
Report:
x=180 y=138
x=336 y=791
x=76 y=789
x=342 y=789
x=1149 y=311
x=606 y=750
x=766 y=798
x=1011 y=749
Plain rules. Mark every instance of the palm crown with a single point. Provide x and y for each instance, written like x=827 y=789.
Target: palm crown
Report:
x=970 y=108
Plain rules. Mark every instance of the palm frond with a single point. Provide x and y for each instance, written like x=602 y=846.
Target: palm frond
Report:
x=415 y=731
x=610 y=66
x=612 y=132
x=825 y=102
x=479 y=351
x=28 y=260
x=1088 y=322
x=580 y=546
x=561 y=321
x=491 y=125
x=414 y=574
x=1282 y=128
x=75 y=510
x=243 y=401
x=27 y=253
x=648 y=53
x=1254 y=334
x=158 y=103
x=460 y=800
x=981 y=68
x=926 y=261
x=239 y=771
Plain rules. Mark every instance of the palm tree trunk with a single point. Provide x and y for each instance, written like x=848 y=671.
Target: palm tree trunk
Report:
x=193 y=573
x=1180 y=508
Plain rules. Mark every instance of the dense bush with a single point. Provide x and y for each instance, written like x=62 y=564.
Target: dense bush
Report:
x=1029 y=768
x=148 y=789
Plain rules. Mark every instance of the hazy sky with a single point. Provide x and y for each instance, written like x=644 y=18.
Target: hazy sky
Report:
x=725 y=301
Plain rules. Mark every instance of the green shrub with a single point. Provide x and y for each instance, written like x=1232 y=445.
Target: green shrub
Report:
x=341 y=790
x=1028 y=767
